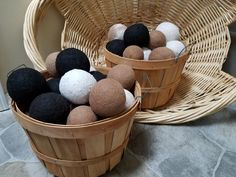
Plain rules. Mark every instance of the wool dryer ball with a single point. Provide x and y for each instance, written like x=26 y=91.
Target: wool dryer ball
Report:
x=161 y=53
x=116 y=46
x=129 y=99
x=107 y=98
x=176 y=46
x=170 y=30
x=116 y=31
x=146 y=53
x=137 y=34
x=50 y=108
x=98 y=75
x=134 y=52
x=51 y=63
x=157 y=39
x=81 y=115
x=53 y=85
x=75 y=86
x=123 y=74
x=24 y=84
x=71 y=58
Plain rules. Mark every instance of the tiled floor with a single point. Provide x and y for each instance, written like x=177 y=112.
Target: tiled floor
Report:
x=204 y=148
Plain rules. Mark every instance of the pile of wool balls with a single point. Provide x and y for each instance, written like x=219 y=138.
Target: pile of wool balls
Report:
x=75 y=93
x=136 y=42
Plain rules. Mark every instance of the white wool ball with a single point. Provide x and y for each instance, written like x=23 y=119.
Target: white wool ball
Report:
x=75 y=85
x=176 y=46
x=116 y=31
x=170 y=30
x=129 y=99
x=92 y=69
x=146 y=52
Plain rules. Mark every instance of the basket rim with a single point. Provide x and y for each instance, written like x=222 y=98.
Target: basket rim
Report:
x=145 y=64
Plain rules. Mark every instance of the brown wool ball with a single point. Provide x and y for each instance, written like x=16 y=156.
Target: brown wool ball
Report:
x=161 y=53
x=81 y=115
x=134 y=52
x=157 y=39
x=107 y=98
x=51 y=63
x=123 y=74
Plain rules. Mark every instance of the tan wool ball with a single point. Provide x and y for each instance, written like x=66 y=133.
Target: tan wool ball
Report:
x=134 y=52
x=107 y=98
x=161 y=53
x=81 y=115
x=157 y=39
x=51 y=63
x=123 y=74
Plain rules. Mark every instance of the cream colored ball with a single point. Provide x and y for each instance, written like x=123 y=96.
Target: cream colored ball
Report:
x=176 y=46
x=116 y=31
x=170 y=30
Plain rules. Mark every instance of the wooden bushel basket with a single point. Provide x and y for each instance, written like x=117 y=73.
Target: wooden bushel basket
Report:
x=158 y=79
x=87 y=150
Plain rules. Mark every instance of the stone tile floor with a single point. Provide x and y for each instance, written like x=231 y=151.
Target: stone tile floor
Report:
x=204 y=148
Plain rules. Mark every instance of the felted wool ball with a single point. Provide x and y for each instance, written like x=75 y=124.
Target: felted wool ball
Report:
x=134 y=52
x=98 y=75
x=129 y=99
x=123 y=74
x=116 y=31
x=51 y=63
x=71 y=58
x=107 y=98
x=137 y=34
x=176 y=46
x=53 y=85
x=75 y=86
x=92 y=69
x=146 y=52
x=161 y=53
x=157 y=39
x=81 y=115
x=25 y=84
x=170 y=30
x=50 y=108
x=116 y=46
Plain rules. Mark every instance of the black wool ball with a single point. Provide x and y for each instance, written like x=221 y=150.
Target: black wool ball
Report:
x=50 y=108
x=53 y=85
x=137 y=34
x=116 y=46
x=71 y=58
x=98 y=75
x=24 y=84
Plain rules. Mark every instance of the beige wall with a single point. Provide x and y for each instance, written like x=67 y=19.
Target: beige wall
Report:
x=12 y=53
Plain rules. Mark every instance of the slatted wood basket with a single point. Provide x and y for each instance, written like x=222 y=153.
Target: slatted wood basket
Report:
x=204 y=88
x=87 y=150
x=158 y=79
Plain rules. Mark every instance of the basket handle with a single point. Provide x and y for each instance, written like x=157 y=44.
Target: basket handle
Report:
x=34 y=14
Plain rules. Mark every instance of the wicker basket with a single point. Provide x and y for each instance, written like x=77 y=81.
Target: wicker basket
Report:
x=158 y=79
x=203 y=89
x=87 y=150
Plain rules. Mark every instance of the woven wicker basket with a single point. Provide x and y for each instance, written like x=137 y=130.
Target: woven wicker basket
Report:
x=203 y=88
x=87 y=150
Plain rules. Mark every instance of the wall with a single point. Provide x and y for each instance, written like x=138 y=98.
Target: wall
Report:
x=12 y=53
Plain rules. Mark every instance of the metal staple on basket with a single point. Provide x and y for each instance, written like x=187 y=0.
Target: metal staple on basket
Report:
x=204 y=22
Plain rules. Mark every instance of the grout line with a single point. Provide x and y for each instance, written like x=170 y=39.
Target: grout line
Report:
x=218 y=162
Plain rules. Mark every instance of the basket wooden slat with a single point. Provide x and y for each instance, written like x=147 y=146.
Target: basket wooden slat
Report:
x=203 y=89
